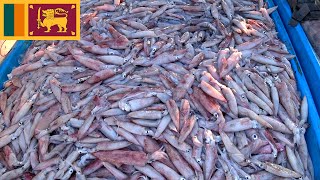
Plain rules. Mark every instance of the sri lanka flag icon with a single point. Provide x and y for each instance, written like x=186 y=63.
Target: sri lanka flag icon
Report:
x=39 y=20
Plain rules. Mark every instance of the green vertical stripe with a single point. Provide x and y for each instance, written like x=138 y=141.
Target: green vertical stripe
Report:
x=8 y=20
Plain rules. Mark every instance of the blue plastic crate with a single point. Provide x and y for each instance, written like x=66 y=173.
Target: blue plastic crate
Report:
x=305 y=53
x=12 y=60
x=313 y=132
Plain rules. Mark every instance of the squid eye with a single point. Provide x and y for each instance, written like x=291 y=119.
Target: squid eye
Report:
x=148 y=132
x=216 y=115
x=116 y=69
x=275 y=155
x=165 y=112
x=264 y=32
x=20 y=123
x=254 y=136
x=247 y=177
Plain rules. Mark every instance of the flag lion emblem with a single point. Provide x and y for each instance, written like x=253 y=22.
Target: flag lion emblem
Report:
x=51 y=20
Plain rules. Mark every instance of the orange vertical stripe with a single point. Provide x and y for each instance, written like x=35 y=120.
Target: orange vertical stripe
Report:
x=19 y=20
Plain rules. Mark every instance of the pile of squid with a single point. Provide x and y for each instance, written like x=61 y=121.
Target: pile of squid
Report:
x=161 y=89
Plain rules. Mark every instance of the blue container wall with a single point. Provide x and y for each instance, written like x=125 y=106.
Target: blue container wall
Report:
x=305 y=53
x=313 y=132
x=12 y=60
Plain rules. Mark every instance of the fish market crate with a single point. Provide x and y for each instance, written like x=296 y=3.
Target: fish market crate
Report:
x=309 y=62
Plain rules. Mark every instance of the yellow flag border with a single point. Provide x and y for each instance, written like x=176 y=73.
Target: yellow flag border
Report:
x=26 y=3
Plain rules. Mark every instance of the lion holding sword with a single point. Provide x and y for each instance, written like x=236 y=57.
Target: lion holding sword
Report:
x=50 y=19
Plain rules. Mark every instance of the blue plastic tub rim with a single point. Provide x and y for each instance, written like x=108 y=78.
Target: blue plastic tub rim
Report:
x=313 y=132
x=304 y=51
x=12 y=60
